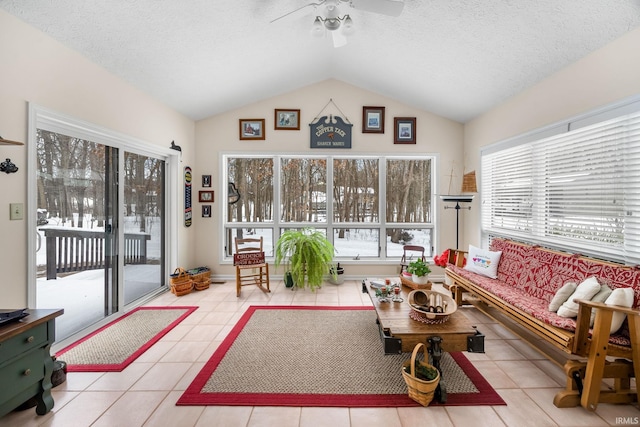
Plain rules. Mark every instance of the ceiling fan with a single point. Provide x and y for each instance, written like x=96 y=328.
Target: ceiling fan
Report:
x=329 y=18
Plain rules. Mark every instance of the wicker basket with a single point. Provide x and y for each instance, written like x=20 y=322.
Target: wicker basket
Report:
x=180 y=282
x=201 y=277
x=413 y=285
x=419 y=390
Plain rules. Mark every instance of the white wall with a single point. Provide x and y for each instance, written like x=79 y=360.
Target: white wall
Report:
x=35 y=68
x=603 y=77
x=220 y=133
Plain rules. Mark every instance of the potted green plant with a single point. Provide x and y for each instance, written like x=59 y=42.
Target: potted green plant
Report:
x=307 y=254
x=419 y=270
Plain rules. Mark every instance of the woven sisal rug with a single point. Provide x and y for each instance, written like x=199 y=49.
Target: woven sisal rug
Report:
x=114 y=346
x=319 y=356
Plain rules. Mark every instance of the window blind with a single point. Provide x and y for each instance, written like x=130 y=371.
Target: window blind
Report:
x=577 y=191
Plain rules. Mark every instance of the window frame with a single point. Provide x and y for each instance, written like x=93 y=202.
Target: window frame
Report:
x=330 y=225
x=581 y=131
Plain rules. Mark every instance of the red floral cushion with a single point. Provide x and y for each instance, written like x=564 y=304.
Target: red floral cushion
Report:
x=529 y=276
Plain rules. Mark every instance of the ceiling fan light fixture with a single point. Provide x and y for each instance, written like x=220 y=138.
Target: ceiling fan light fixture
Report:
x=332 y=24
x=317 y=30
x=347 y=26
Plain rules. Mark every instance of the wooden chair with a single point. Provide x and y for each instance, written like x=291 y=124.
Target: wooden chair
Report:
x=251 y=268
x=411 y=254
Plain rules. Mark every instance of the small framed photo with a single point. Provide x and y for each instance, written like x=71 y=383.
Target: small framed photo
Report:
x=372 y=119
x=405 y=130
x=205 y=196
x=206 y=211
x=251 y=129
x=286 y=119
x=206 y=181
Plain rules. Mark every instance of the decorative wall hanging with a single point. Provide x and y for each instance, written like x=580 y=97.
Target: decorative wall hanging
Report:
x=205 y=196
x=188 y=214
x=206 y=211
x=251 y=129
x=206 y=181
x=404 y=130
x=8 y=167
x=372 y=119
x=288 y=119
x=330 y=131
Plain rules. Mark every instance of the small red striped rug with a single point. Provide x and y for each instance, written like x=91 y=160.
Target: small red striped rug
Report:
x=114 y=346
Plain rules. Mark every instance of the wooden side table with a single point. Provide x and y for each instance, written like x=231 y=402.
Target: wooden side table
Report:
x=25 y=361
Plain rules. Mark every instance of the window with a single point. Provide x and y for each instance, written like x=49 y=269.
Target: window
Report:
x=578 y=190
x=368 y=206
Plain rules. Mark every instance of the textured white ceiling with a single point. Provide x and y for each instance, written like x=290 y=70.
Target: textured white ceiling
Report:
x=456 y=58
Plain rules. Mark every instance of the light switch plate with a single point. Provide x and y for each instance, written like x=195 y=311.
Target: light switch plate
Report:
x=17 y=211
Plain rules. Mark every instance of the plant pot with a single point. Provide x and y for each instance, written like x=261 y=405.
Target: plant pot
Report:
x=288 y=279
x=420 y=280
x=339 y=275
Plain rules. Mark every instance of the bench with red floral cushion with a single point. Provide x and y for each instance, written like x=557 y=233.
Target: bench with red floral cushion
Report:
x=529 y=276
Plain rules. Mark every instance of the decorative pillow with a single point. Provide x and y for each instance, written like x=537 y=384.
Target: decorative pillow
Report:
x=585 y=290
x=483 y=262
x=562 y=295
x=624 y=298
x=601 y=296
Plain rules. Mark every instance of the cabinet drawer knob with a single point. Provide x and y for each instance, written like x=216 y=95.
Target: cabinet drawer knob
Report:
x=27 y=372
x=30 y=339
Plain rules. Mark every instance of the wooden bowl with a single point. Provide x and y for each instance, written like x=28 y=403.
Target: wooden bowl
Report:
x=421 y=301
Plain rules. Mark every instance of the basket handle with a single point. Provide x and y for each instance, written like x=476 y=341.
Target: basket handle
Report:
x=180 y=272
x=414 y=355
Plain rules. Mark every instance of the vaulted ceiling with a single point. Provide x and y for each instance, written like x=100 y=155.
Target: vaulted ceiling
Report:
x=456 y=58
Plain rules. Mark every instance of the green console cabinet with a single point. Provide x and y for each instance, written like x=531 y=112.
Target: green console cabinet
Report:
x=25 y=362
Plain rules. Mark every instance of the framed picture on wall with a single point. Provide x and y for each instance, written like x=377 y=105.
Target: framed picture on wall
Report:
x=205 y=196
x=404 y=130
x=206 y=211
x=206 y=181
x=251 y=129
x=286 y=119
x=372 y=119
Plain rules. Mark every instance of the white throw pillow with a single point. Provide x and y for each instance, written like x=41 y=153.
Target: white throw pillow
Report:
x=483 y=261
x=601 y=296
x=585 y=290
x=624 y=298
x=562 y=295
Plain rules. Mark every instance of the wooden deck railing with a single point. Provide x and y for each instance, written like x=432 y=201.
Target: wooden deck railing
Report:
x=70 y=250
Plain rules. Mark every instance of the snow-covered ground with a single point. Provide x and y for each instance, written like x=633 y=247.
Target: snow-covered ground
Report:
x=82 y=294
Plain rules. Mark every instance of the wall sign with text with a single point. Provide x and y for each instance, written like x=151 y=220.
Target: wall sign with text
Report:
x=330 y=132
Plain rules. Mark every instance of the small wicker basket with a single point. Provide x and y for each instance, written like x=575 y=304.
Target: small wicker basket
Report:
x=180 y=282
x=419 y=390
x=413 y=285
x=201 y=277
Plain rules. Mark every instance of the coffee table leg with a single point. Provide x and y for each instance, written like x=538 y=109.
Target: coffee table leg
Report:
x=435 y=351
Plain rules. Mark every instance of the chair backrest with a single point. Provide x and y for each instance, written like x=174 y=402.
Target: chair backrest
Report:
x=248 y=251
x=412 y=248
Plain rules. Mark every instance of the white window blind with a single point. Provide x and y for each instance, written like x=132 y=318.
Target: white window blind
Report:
x=578 y=191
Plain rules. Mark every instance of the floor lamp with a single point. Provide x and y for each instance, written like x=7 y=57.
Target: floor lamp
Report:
x=457 y=199
x=468 y=185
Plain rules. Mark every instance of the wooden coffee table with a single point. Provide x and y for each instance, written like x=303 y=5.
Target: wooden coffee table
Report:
x=400 y=333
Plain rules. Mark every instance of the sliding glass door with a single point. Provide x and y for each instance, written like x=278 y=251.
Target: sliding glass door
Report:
x=100 y=229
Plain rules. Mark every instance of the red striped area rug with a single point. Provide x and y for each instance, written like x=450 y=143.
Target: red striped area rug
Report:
x=114 y=346
x=319 y=356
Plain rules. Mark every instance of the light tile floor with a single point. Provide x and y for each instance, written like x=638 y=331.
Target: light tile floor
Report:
x=144 y=394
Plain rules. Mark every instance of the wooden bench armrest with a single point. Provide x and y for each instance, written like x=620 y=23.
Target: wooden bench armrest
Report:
x=616 y=308
x=583 y=321
x=456 y=257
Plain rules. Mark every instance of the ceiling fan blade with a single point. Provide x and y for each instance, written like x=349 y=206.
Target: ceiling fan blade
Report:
x=296 y=10
x=384 y=7
x=339 y=39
